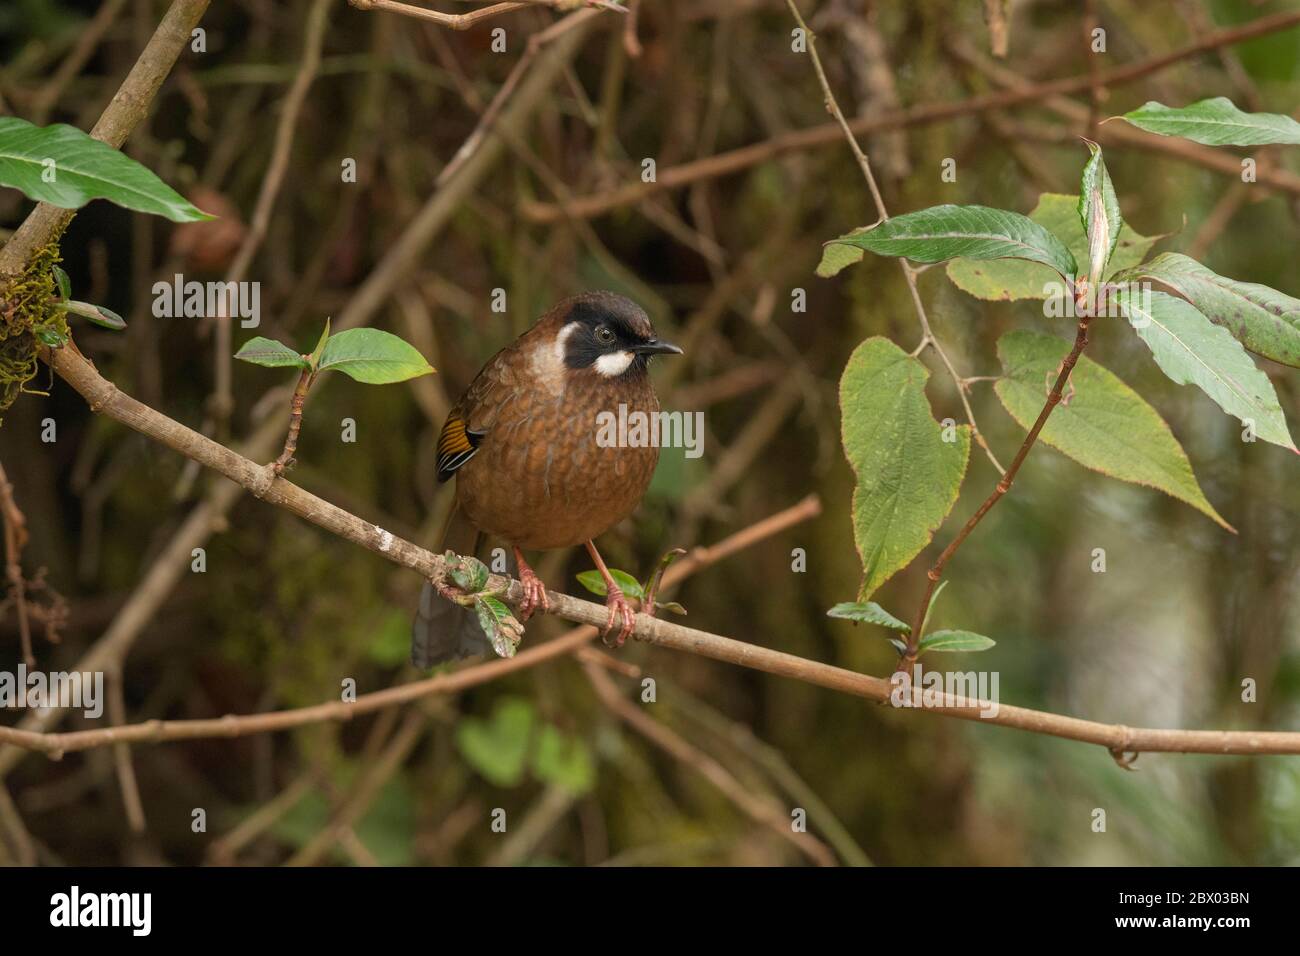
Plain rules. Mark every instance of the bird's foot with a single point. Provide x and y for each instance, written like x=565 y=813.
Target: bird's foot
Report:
x=534 y=590
x=620 y=612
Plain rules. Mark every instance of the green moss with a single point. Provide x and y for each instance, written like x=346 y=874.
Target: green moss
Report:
x=26 y=318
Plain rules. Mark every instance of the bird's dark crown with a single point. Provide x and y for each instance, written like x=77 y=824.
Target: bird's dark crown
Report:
x=608 y=325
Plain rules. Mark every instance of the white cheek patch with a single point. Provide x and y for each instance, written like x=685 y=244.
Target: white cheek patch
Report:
x=561 y=341
x=613 y=363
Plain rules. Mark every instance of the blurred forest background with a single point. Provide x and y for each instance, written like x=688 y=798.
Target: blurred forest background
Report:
x=284 y=612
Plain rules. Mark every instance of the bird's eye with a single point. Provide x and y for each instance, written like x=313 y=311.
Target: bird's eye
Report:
x=604 y=334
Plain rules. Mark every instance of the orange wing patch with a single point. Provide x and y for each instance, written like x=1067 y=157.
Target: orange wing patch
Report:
x=456 y=445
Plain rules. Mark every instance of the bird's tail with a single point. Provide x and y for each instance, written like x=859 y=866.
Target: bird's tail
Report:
x=443 y=630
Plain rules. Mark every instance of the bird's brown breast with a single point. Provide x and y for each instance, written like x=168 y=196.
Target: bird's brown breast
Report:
x=541 y=479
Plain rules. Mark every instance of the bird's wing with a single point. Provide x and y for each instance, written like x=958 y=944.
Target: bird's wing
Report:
x=474 y=414
x=456 y=445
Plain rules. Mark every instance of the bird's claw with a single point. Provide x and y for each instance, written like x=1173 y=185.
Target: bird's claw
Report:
x=620 y=610
x=534 y=594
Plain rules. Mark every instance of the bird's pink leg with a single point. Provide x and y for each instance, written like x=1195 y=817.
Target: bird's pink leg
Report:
x=615 y=600
x=534 y=590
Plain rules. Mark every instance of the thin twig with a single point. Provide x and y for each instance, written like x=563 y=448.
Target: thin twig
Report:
x=317 y=21
x=733 y=161
x=763 y=811
x=936 y=572
x=909 y=273
x=15 y=534
x=299 y=399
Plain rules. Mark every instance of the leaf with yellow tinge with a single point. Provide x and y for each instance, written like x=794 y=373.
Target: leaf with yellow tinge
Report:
x=1013 y=279
x=1106 y=426
x=908 y=476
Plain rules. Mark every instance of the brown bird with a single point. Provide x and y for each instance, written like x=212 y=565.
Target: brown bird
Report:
x=522 y=443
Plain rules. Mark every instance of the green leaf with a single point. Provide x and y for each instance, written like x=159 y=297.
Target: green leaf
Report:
x=270 y=353
x=972 y=232
x=593 y=582
x=934 y=601
x=373 y=356
x=466 y=572
x=1264 y=320
x=63 y=283
x=1106 y=426
x=1190 y=349
x=672 y=606
x=314 y=358
x=656 y=576
x=870 y=612
x=1215 y=122
x=1099 y=213
x=953 y=641
x=564 y=761
x=97 y=314
x=1011 y=279
x=837 y=256
x=82 y=169
x=498 y=748
x=503 y=630
x=51 y=337
x=907 y=475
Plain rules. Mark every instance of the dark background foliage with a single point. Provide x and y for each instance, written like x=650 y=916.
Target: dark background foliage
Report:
x=285 y=612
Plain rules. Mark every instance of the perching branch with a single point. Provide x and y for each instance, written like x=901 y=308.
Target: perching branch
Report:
x=106 y=398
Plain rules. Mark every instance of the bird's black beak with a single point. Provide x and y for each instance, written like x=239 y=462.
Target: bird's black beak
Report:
x=655 y=347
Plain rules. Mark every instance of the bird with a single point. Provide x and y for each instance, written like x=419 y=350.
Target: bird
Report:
x=524 y=446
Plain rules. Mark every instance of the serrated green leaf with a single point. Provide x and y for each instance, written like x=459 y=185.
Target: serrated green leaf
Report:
x=1264 y=320
x=564 y=761
x=503 y=630
x=106 y=318
x=972 y=232
x=82 y=169
x=498 y=748
x=593 y=582
x=373 y=356
x=1099 y=213
x=1215 y=122
x=870 y=612
x=1190 y=349
x=1013 y=279
x=1106 y=426
x=837 y=256
x=907 y=475
x=270 y=354
x=954 y=641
